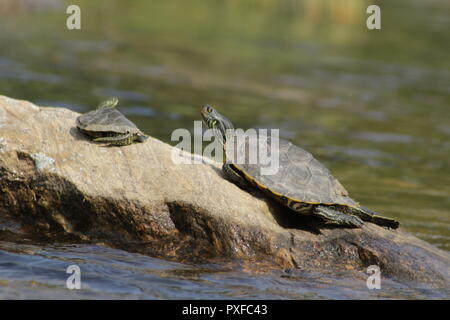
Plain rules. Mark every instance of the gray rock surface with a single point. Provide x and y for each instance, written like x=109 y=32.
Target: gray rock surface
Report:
x=56 y=185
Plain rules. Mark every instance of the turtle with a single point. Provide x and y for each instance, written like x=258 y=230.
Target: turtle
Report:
x=108 y=125
x=301 y=183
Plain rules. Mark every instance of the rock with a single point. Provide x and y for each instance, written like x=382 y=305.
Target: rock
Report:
x=56 y=185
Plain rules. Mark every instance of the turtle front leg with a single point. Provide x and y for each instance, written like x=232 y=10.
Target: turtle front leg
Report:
x=335 y=217
x=233 y=176
x=119 y=140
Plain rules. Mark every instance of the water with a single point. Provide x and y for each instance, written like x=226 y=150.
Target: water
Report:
x=39 y=272
x=373 y=106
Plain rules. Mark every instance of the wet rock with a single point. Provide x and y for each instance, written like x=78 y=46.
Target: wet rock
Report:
x=56 y=185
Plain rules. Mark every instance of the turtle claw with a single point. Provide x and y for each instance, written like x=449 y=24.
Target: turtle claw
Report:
x=141 y=138
x=354 y=221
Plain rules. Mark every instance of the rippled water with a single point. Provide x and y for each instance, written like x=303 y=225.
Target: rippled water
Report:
x=39 y=272
x=373 y=106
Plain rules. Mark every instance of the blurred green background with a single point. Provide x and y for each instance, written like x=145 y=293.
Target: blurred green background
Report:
x=373 y=106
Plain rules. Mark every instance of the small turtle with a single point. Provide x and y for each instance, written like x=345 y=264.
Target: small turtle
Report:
x=107 y=124
x=301 y=183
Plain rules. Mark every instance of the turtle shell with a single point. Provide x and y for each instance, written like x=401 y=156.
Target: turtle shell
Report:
x=106 y=120
x=299 y=176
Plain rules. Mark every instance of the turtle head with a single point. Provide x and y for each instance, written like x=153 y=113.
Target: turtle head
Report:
x=220 y=125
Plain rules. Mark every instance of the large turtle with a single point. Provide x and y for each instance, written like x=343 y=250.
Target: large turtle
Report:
x=108 y=125
x=301 y=183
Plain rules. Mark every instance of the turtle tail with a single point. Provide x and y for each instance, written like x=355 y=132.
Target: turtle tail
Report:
x=371 y=216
